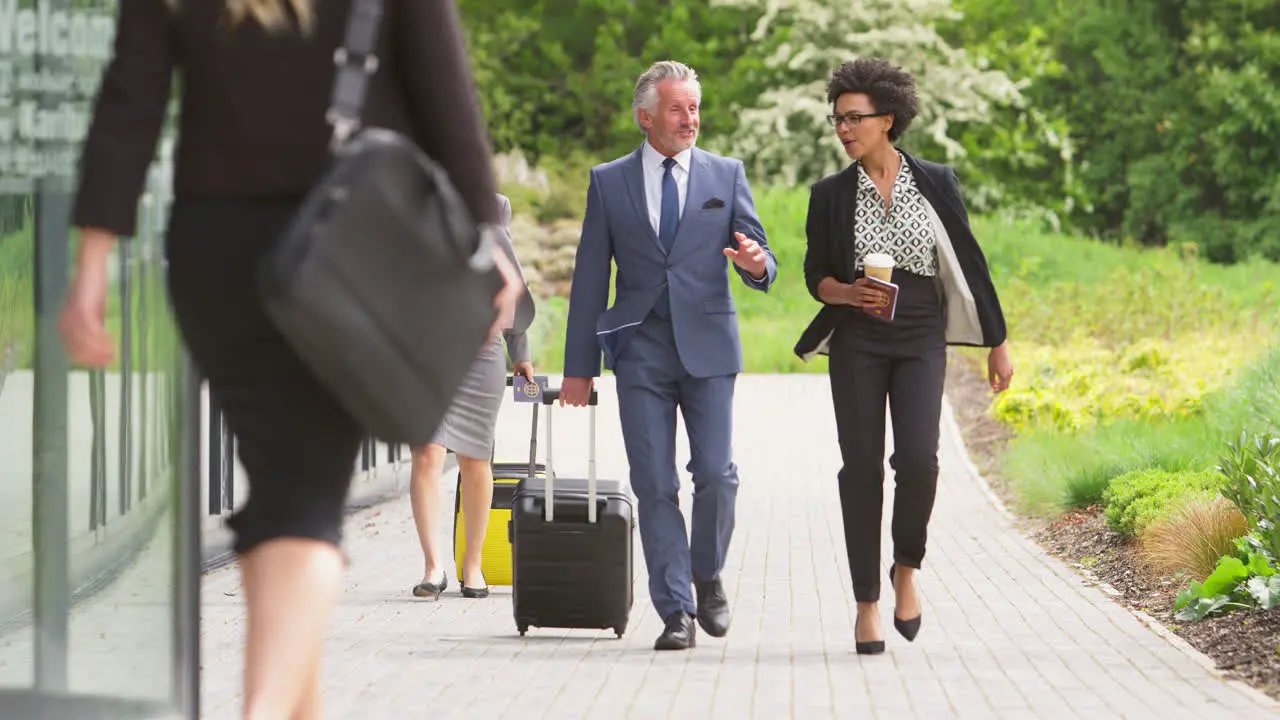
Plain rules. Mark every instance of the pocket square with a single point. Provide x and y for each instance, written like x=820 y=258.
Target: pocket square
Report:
x=712 y=204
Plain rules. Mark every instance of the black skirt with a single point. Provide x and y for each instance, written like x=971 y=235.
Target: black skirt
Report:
x=296 y=443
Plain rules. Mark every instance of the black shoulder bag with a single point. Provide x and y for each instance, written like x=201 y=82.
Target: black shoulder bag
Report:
x=383 y=283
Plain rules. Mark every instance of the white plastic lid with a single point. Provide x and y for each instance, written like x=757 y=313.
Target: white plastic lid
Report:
x=879 y=260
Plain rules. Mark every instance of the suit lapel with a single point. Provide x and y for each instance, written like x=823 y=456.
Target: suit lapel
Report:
x=633 y=174
x=697 y=192
x=842 y=224
x=929 y=187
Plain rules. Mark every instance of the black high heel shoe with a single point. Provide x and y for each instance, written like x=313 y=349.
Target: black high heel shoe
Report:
x=474 y=593
x=430 y=589
x=906 y=628
x=869 y=647
x=873 y=647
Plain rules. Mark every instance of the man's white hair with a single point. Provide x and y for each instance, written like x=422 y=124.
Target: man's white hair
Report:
x=646 y=95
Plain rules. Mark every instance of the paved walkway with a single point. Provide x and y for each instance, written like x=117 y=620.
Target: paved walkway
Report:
x=1009 y=632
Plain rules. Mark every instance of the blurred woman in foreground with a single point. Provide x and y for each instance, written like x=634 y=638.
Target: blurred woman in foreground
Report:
x=253 y=140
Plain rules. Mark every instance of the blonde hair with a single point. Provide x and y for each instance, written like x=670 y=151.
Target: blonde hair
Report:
x=270 y=14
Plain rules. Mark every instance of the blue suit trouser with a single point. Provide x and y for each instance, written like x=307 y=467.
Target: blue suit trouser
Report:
x=652 y=383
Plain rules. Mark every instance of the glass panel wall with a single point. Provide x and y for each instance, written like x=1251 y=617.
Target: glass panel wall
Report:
x=97 y=534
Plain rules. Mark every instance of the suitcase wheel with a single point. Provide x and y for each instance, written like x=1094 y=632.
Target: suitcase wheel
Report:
x=619 y=631
x=523 y=629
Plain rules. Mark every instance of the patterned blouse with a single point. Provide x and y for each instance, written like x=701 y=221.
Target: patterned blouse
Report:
x=903 y=231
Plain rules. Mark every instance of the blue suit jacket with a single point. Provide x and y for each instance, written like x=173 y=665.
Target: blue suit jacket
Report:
x=616 y=229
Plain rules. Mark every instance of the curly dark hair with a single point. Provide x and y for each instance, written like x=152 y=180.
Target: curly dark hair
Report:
x=890 y=88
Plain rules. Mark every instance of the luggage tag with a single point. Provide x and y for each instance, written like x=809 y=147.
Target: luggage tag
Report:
x=526 y=391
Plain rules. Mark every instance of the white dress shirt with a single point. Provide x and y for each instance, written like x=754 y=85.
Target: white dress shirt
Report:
x=653 y=172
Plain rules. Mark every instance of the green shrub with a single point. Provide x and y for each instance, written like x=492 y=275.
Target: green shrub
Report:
x=1252 y=481
x=1137 y=499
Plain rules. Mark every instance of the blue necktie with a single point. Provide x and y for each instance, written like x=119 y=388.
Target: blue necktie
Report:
x=670 y=206
x=667 y=224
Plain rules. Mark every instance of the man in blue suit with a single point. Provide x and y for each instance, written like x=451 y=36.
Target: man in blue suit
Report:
x=668 y=215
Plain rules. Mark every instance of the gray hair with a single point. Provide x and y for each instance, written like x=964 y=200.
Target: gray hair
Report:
x=646 y=95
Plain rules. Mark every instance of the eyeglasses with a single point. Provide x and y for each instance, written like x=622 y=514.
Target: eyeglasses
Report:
x=853 y=118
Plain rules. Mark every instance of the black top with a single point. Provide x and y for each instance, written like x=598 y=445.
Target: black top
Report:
x=253 y=104
x=829 y=252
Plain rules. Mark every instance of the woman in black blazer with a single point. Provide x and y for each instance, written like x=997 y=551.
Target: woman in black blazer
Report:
x=891 y=203
x=256 y=80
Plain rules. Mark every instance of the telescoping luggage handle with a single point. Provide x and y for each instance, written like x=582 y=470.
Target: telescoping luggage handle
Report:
x=549 y=398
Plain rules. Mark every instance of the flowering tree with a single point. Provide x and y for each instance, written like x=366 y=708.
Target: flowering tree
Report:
x=785 y=137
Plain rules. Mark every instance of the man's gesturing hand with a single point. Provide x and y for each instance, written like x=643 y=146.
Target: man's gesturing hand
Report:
x=749 y=256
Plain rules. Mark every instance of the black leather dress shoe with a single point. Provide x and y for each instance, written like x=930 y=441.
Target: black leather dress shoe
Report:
x=713 y=608
x=679 y=634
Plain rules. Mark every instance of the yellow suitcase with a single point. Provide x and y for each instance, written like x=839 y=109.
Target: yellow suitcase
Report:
x=495 y=557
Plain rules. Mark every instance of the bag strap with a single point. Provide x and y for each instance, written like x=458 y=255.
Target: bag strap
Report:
x=356 y=61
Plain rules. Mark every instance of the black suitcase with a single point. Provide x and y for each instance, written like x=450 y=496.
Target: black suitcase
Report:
x=571 y=545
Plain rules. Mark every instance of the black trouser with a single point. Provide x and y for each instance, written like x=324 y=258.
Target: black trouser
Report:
x=906 y=362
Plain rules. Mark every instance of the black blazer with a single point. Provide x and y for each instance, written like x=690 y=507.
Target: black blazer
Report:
x=252 y=122
x=973 y=310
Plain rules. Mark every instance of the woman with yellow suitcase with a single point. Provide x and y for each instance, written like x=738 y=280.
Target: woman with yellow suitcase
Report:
x=467 y=430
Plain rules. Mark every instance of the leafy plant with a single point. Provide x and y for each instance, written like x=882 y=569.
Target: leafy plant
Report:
x=1248 y=579
x=1137 y=499
x=1252 y=472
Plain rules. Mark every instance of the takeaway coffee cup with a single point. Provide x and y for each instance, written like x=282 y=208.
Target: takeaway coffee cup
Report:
x=878 y=266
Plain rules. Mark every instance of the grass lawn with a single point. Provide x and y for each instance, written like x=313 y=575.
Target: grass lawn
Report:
x=1127 y=359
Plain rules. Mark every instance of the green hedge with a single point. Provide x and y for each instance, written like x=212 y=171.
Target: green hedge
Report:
x=1137 y=499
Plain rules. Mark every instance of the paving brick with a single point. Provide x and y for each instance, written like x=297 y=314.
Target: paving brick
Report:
x=1009 y=632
